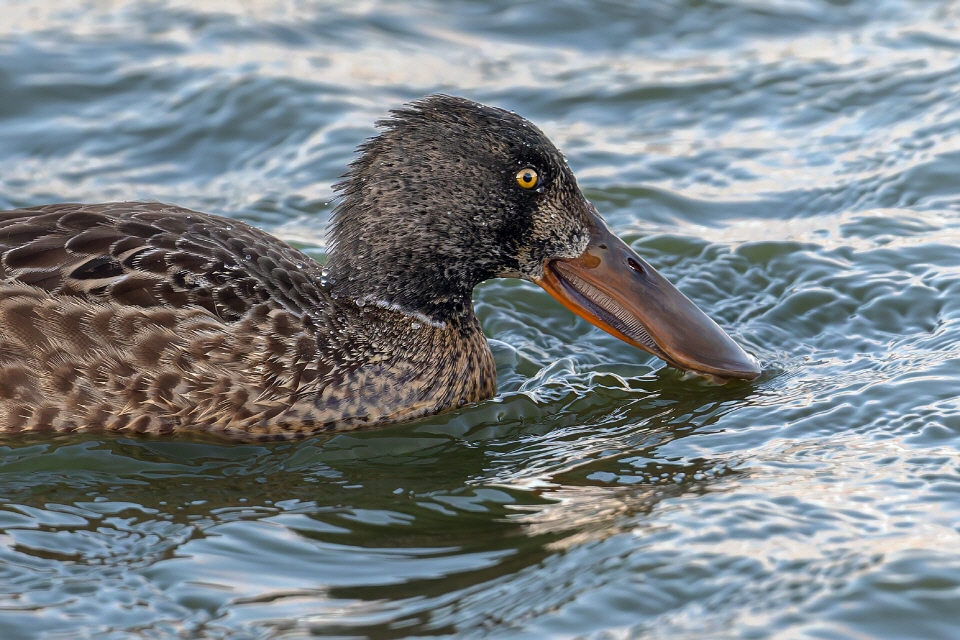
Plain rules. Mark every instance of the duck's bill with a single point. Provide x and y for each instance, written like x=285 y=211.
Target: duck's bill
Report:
x=613 y=288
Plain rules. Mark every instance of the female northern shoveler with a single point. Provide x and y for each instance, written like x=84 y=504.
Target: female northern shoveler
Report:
x=148 y=318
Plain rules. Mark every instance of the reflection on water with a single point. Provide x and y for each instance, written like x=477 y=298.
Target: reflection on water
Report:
x=790 y=165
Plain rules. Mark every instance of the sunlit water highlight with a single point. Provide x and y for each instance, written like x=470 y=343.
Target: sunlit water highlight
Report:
x=792 y=165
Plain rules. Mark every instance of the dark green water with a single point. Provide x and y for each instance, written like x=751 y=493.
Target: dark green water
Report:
x=792 y=165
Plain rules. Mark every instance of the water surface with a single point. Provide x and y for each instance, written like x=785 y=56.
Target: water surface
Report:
x=792 y=165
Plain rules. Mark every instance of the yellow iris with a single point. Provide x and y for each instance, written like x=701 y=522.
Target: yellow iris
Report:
x=527 y=178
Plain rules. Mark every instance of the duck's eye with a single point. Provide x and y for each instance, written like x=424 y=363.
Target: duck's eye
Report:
x=527 y=178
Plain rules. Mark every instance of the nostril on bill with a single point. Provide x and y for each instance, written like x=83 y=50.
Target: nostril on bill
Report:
x=636 y=266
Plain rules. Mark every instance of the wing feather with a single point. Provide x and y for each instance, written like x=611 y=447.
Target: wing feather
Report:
x=149 y=254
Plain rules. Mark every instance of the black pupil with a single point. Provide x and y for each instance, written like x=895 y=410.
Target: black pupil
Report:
x=527 y=177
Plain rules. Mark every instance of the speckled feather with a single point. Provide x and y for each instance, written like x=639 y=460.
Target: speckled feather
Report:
x=149 y=318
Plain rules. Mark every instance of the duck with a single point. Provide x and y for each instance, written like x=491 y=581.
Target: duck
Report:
x=149 y=318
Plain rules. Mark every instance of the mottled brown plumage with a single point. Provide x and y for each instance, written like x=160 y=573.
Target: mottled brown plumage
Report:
x=143 y=317
x=150 y=318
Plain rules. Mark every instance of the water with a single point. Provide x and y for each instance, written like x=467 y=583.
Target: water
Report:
x=792 y=165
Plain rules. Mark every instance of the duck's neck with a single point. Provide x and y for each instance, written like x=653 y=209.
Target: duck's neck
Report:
x=409 y=280
x=410 y=244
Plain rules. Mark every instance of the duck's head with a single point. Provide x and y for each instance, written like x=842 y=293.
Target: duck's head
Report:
x=453 y=193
